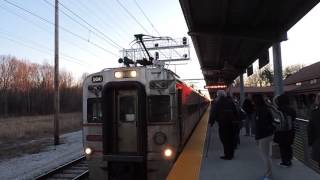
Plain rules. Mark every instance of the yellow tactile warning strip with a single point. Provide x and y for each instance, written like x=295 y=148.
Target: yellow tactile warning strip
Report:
x=187 y=167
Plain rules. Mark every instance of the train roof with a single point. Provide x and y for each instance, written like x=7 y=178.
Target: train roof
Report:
x=135 y=67
x=146 y=67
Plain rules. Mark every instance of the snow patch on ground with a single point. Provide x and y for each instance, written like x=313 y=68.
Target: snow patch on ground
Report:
x=32 y=165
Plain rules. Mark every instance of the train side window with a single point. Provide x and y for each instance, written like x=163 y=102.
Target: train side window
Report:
x=159 y=108
x=94 y=110
x=127 y=106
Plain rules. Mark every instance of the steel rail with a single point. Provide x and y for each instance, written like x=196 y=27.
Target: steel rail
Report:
x=59 y=171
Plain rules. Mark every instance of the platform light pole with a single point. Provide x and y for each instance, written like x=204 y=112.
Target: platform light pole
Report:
x=56 y=75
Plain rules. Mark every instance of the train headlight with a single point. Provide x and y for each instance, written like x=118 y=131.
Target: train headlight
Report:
x=88 y=151
x=159 y=138
x=133 y=74
x=125 y=74
x=167 y=153
x=118 y=74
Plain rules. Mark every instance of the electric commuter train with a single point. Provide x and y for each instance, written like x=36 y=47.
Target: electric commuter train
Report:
x=136 y=121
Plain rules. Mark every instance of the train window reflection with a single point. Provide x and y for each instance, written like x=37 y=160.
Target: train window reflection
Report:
x=127 y=108
x=94 y=113
x=159 y=108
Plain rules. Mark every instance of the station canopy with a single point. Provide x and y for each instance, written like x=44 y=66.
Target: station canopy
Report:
x=229 y=35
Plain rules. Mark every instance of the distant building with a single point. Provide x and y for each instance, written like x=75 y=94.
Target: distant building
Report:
x=301 y=86
x=306 y=79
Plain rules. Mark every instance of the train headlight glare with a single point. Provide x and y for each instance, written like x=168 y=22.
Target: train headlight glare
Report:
x=167 y=152
x=118 y=74
x=88 y=151
x=133 y=73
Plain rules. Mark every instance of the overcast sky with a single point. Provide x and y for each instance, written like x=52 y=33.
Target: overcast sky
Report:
x=82 y=50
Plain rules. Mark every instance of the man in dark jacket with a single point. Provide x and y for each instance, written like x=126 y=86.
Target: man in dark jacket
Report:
x=249 y=123
x=314 y=131
x=225 y=113
x=241 y=115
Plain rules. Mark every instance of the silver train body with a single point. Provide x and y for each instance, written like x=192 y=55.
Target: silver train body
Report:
x=136 y=121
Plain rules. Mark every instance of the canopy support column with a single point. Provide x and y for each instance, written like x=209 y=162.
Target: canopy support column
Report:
x=277 y=67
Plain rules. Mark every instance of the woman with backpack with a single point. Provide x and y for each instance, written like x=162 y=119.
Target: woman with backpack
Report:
x=314 y=131
x=264 y=131
x=284 y=135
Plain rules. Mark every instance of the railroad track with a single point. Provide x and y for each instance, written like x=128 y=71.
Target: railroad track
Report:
x=76 y=169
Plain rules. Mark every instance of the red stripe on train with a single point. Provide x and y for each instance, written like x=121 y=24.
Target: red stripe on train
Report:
x=94 y=137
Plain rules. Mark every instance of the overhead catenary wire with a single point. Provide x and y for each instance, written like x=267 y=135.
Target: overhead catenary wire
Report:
x=99 y=33
x=46 y=30
x=132 y=16
x=45 y=51
x=22 y=17
x=144 y=14
x=93 y=27
x=64 y=29
x=42 y=48
x=101 y=20
x=116 y=19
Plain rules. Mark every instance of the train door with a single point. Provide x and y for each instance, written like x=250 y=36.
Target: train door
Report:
x=124 y=131
x=126 y=121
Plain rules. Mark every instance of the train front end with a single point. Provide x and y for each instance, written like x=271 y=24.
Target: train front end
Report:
x=116 y=126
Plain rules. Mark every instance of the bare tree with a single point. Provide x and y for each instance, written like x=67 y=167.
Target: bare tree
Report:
x=264 y=77
x=7 y=67
x=289 y=70
x=46 y=72
x=27 y=88
x=253 y=80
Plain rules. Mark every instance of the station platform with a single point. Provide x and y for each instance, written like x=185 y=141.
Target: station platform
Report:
x=194 y=163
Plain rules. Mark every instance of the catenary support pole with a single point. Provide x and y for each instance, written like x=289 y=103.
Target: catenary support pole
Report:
x=277 y=66
x=56 y=75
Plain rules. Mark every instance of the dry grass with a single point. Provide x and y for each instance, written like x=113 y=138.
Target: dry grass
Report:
x=16 y=133
x=33 y=127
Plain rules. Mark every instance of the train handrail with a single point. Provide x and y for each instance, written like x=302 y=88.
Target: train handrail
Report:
x=304 y=120
x=301 y=146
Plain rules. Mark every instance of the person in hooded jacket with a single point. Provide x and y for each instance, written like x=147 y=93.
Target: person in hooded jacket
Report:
x=264 y=132
x=314 y=131
x=285 y=136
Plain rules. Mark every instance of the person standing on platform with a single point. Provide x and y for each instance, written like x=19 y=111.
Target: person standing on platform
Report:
x=263 y=132
x=238 y=121
x=249 y=123
x=314 y=130
x=284 y=136
x=225 y=113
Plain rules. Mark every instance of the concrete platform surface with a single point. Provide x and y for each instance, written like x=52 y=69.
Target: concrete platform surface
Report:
x=247 y=164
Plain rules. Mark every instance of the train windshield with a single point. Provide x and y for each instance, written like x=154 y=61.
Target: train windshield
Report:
x=127 y=108
x=159 y=108
x=94 y=113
